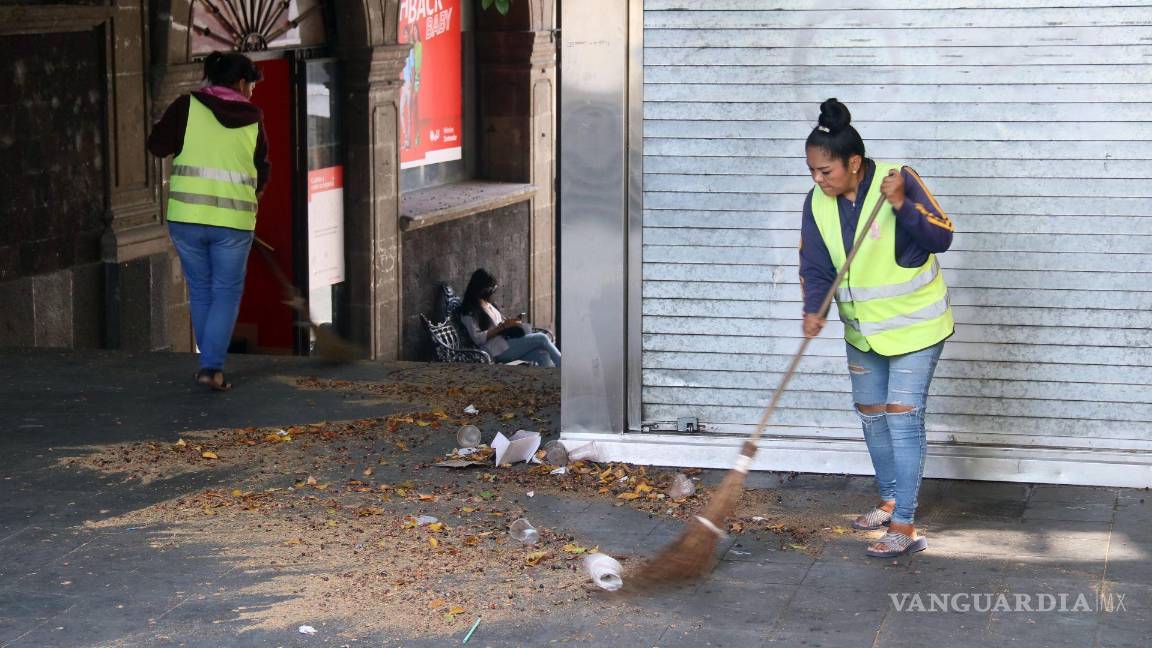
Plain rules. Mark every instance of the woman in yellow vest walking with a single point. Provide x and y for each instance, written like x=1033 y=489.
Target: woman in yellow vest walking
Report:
x=893 y=304
x=218 y=173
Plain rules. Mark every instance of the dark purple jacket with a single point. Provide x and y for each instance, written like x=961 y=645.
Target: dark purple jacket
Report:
x=922 y=228
x=167 y=136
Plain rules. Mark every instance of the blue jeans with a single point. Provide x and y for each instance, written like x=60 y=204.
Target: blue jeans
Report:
x=896 y=441
x=214 y=260
x=534 y=347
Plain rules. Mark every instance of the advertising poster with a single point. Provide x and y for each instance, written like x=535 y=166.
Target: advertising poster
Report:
x=431 y=101
x=325 y=226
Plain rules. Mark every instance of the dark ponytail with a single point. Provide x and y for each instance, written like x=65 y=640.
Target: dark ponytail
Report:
x=229 y=68
x=835 y=133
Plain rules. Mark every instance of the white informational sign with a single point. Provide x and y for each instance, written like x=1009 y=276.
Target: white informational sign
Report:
x=325 y=237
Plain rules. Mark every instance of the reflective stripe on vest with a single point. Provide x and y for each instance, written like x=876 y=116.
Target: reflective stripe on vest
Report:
x=900 y=321
x=885 y=307
x=213 y=179
x=213 y=201
x=858 y=294
x=223 y=175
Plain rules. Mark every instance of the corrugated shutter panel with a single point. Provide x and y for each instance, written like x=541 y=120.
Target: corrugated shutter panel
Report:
x=1031 y=124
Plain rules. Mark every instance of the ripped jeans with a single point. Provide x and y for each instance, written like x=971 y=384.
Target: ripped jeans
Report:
x=896 y=441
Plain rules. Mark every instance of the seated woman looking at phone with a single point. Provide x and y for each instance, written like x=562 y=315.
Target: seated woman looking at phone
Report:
x=504 y=340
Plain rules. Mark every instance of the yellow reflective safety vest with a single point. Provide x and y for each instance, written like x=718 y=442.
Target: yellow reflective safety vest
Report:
x=885 y=307
x=213 y=179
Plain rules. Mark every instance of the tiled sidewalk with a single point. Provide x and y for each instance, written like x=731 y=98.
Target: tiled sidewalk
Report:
x=63 y=584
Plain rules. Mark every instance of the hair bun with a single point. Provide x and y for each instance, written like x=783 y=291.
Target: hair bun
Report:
x=834 y=115
x=212 y=64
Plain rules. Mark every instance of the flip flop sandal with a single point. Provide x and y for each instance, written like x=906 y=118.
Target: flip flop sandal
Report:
x=897 y=544
x=872 y=520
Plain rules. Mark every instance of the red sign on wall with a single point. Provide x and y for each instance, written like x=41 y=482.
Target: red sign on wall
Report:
x=431 y=101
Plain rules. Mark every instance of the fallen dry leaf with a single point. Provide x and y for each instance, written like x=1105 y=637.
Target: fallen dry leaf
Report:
x=433 y=542
x=574 y=548
x=208 y=454
x=535 y=557
x=436 y=603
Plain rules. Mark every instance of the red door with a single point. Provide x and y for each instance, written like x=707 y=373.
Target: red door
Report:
x=265 y=324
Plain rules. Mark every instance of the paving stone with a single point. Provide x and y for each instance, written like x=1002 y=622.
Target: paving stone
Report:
x=1093 y=495
x=1048 y=629
x=872 y=576
x=750 y=634
x=734 y=604
x=919 y=629
x=764 y=550
x=1055 y=566
x=938 y=572
x=1116 y=637
x=826 y=629
x=789 y=573
x=838 y=599
x=985 y=490
x=1070 y=511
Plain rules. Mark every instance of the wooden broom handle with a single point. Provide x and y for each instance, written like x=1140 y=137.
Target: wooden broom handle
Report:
x=823 y=313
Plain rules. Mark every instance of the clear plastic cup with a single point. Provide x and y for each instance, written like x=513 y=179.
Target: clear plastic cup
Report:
x=681 y=487
x=468 y=436
x=586 y=452
x=555 y=454
x=604 y=570
x=523 y=531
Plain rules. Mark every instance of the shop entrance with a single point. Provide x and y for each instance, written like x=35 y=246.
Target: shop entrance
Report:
x=301 y=213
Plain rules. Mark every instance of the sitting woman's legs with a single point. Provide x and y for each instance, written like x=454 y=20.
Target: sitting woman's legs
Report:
x=534 y=347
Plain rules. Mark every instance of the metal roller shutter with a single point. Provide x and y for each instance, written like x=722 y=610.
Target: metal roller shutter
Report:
x=1032 y=125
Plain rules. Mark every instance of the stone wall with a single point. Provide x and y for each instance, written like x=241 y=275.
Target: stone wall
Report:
x=52 y=178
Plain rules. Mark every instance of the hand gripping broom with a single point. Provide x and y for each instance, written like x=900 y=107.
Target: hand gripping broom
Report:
x=691 y=556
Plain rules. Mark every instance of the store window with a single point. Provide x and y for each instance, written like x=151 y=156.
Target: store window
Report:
x=437 y=104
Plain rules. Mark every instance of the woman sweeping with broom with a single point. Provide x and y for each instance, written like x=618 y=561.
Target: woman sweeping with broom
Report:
x=892 y=301
x=218 y=174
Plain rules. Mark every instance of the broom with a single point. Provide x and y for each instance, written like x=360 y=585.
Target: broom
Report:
x=691 y=556
x=329 y=346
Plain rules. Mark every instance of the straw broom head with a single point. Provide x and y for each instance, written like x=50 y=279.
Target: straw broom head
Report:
x=693 y=554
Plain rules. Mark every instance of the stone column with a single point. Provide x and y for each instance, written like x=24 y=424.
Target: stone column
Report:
x=134 y=245
x=516 y=86
x=372 y=196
